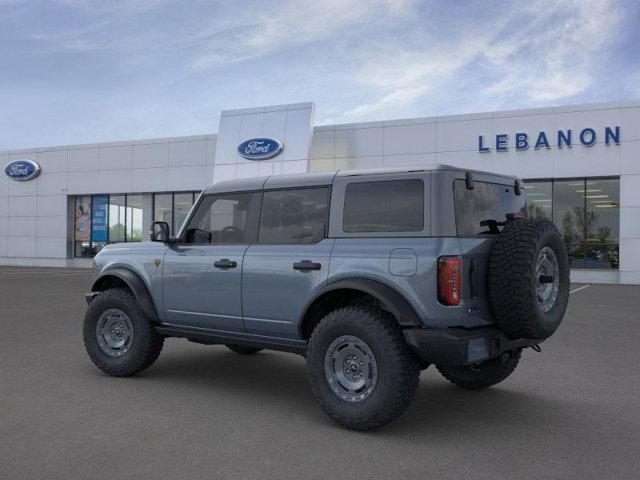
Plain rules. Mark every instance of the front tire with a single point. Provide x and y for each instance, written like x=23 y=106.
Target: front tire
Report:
x=118 y=337
x=484 y=375
x=361 y=371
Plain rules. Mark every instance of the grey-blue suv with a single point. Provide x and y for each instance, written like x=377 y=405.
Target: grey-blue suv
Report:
x=370 y=275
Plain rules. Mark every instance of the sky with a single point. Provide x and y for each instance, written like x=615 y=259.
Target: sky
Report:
x=80 y=71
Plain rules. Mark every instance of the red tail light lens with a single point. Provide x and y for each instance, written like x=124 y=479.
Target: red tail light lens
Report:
x=449 y=274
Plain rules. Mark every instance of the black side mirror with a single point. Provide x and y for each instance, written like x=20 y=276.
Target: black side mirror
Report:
x=159 y=232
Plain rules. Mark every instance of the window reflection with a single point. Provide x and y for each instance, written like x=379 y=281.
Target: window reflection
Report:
x=163 y=208
x=587 y=214
x=539 y=199
x=172 y=208
x=117 y=218
x=182 y=204
x=134 y=218
x=603 y=223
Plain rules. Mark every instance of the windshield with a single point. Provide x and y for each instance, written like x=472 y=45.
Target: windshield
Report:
x=483 y=210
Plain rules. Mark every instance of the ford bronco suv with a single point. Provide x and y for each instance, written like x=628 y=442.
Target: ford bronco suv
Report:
x=370 y=275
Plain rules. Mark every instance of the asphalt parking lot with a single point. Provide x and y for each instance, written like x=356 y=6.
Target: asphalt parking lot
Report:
x=572 y=411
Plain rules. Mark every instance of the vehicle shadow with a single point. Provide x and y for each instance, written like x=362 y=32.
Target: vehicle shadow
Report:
x=440 y=409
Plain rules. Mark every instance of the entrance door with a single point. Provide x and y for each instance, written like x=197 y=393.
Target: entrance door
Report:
x=202 y=273
x=289 y=262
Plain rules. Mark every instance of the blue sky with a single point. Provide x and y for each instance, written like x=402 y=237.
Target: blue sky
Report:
x=79 y=71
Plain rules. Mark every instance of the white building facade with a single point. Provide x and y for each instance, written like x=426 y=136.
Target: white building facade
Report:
x=581 y=165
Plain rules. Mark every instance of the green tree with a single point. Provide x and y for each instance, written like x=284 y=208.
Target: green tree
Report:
x=116 y=233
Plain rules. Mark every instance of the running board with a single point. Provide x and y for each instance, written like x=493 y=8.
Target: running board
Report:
x=209 y=337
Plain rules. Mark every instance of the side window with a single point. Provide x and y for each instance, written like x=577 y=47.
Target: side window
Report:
x=294 y=216
x=220 y=219
x=384 y=206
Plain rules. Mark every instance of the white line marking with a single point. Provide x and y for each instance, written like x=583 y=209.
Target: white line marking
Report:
x=578 y=289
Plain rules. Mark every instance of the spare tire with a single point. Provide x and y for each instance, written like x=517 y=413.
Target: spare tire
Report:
x=529 y=279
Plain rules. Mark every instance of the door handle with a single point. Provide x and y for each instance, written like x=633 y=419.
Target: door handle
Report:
x=306 y=265
x=225 y=263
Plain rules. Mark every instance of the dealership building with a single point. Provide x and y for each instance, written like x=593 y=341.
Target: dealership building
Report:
x=581 y=164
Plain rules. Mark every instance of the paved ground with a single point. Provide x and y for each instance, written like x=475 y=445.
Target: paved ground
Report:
x=204 y=412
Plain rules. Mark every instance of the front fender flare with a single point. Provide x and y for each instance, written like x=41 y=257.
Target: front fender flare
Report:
x=135 y=284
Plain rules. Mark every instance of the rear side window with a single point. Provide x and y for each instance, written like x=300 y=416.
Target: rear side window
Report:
x=483 y=209
x=385 y=206
x=294 y=216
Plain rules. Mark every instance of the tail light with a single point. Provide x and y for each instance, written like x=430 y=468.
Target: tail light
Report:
x=449 y=274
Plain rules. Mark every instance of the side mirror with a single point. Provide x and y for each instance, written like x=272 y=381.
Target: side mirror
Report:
x=159 y=232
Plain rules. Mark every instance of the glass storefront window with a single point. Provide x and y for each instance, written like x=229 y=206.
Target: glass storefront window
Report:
x=569 y=217
x=603 y=223
x=163 y=208
x=182 y=203
x=173 y=208
x=587 y=213
x=134 y=218
x=117 y=218
x=82 y=227
x=102 y=219
x=539 y=199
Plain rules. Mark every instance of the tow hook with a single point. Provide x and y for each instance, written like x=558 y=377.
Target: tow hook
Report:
x=536 y=348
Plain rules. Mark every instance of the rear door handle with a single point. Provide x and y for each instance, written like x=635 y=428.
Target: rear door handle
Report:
x=306 y=265
x=225 y=263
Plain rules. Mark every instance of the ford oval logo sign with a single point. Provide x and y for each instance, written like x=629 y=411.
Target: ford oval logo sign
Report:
x=260 y=148
x=22 y=170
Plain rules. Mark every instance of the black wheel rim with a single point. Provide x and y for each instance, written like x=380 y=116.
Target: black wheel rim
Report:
x=351 y=368
x=114 y=332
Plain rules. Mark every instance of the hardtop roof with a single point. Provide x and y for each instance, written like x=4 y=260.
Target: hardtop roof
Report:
x=326 y=178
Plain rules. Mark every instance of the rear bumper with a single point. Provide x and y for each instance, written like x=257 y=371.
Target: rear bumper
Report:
x=460 y=346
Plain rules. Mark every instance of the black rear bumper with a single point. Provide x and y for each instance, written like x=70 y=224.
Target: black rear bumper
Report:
x=460 y=346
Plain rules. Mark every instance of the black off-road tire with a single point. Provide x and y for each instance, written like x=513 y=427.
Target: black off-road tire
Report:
x=146 y=344
x=398 y=370
x=513 y=282
x=242 y=350
x=484 y=375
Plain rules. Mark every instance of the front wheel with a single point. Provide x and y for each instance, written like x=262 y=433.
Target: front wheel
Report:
x=118 y=337
x=361 y=371
x=484 y=375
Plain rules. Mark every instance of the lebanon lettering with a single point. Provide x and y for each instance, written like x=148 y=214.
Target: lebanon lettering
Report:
x=562 y=139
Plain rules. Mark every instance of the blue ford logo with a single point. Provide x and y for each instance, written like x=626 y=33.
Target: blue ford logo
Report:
x=260 y=148
x=22 y=170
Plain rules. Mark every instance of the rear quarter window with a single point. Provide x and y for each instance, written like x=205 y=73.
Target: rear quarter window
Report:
x=487 y=202
x=384 y=206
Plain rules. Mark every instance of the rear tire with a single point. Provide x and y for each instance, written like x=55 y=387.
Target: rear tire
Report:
x=361 y=371
x=118 y=337
x=242 y=350
x=484 y=375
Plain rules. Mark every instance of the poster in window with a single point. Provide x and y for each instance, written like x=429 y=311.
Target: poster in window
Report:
x=83 y=219
x=99 y=209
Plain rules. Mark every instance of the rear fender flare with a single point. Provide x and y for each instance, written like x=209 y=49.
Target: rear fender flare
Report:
x=389 y=299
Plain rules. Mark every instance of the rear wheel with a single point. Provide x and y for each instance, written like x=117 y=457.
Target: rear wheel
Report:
x=118 y=337
x=476 y=377
x=361 y=371
x=241 y=349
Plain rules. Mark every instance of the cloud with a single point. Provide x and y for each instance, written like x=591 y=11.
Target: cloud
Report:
x=124 y=69
x=553 y=60
x=257 y=32
x=541 y=53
